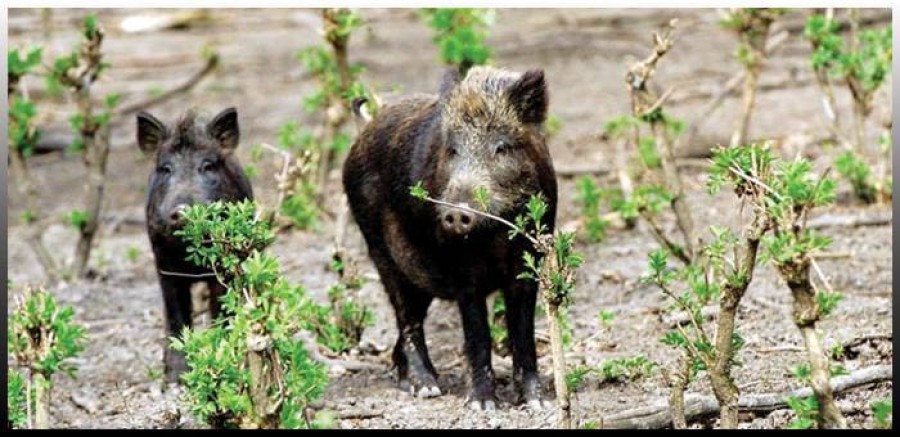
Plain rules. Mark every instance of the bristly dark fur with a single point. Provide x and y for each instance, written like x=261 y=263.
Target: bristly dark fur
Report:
x=194 y=164
x=486 y=130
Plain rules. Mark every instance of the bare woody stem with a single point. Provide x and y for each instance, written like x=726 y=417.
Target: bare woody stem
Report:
x=823 y=79
x=95 y=138
x=678 y=382
x=806 y=315
x=753 y=34
x=41 y=401
x=726 y=391
x=338 y=108
x=645 y=105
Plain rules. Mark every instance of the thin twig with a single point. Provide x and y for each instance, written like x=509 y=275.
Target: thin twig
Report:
x=485 y=214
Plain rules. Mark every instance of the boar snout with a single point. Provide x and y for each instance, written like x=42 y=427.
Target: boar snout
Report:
x=457 y=221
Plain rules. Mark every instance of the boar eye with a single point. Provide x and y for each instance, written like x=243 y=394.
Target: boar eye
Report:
x=502 y=147
x=164 y=169
x=451 y=150
x=207 y=166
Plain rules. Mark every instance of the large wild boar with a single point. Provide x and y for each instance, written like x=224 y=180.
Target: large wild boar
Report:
x=194 y=163
x=482 y=131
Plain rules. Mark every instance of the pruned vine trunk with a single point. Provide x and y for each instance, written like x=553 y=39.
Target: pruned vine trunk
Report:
x=749 y=101
x=806 y=315
x=96 y=155
x=549 y=266
x=263 y=380
x=678 y=383
x=726 y=391
x=41 y=400
x=338 y=109
x=563 y=405
x=673 y=183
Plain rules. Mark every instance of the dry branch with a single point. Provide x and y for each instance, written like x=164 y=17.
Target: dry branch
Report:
x=657 y=416
x=212 y=62
x=645 y=104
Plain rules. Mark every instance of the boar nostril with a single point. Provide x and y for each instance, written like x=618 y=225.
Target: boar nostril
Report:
x=465 y=219
x=449 y=218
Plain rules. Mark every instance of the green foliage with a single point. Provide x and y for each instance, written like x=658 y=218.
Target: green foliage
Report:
x=497 y=321
x=589 y=196
x=729 y=163
x=870 y=64
x=339 y=325
x=132 y=254
x=883 y=413
x=553 y=125
x=300 y=207
x=460 y=34
x=828 y=301
x=629 y=368
x=320 y=61
x=482 y=197
x=18 y=65
x=43 y=335
x=575 y=377
x=268 y=314
x=221 y=235
x=418 y=191
x=557 y=283
x=752 y=24
x=858 y=173
x=22 y=134
x=647 y=152
x=15 y=399
x=619 y=126
x=606 y=317
x=805 y=412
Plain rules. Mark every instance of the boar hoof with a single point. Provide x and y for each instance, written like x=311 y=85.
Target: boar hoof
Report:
x=429 y=392
x=482 y=405
x=424 y=390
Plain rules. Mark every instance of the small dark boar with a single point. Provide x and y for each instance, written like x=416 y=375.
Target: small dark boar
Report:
x=195 y=163
x=484 y=131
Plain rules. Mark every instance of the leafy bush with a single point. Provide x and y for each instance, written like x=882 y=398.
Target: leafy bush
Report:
x=460 y=34
x=252 y=369
x=42 y=336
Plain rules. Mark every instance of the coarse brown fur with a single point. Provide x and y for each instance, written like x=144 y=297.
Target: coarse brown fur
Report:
x=484 y=131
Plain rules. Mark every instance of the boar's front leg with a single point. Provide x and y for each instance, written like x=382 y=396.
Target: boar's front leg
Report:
x=410 y=352
x=177 y=297
x=521 y=297
x=473 y=309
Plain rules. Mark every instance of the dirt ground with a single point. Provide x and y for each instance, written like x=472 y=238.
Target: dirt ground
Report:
x=585 y=54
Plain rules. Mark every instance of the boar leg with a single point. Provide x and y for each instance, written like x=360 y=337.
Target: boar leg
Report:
x=521 y=297
x=410 y=352
x=473 y=309
x=177 y=297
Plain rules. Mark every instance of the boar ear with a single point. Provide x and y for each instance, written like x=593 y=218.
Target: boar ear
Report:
x=528 y=96
x=448 y=82
x=150 y=132
x=224 y=128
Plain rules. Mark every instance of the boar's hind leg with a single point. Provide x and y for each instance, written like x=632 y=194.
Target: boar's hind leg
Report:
x=520 y=305
x=410 y=352
x=177 y=297
x=473 y=309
